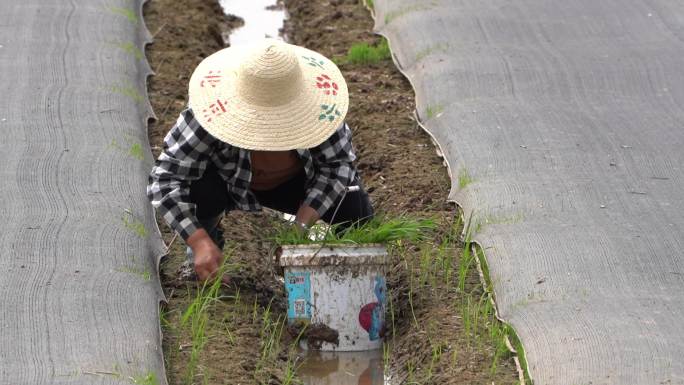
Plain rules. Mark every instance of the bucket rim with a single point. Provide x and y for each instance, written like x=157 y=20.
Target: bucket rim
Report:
x=332 y=255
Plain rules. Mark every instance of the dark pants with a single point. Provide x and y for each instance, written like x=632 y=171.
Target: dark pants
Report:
x=210 y=195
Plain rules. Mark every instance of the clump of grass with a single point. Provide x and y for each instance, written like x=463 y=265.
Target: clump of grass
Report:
x=271 y=349
x=464 y=179
x=129 y=91
x=363 y=53
x=134 y=224
x=377 y=230
x=197 y=315
x=432 y=111
x=147 y=379
x=131 y=49
x=136 y=151
x=128 y=13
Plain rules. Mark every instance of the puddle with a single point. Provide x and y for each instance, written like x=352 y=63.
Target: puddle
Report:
x=343 y=368
x=263 y=18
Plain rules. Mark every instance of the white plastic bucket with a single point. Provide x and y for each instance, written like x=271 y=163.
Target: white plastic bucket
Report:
x=339 y=292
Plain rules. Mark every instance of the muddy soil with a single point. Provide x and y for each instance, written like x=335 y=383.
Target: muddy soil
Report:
x=402 y=173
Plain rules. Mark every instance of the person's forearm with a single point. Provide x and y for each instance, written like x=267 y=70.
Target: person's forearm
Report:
x=307 y=215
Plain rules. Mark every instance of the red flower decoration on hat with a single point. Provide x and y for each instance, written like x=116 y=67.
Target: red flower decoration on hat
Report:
x=211 y=78
x=326 y=84
x=215 y=109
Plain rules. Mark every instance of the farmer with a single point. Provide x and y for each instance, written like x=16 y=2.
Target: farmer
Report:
x=264 y=127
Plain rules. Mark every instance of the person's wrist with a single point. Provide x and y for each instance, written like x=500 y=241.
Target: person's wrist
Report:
x=200 y=238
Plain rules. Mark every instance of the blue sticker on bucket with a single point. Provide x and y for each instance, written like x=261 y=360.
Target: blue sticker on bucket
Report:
x=298 y=286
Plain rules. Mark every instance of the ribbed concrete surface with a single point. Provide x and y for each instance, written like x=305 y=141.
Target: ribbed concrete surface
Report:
x=78 y=274
x=563 y=126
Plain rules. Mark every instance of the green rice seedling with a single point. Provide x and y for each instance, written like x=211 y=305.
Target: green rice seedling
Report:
x=363 y=53
x=409 y=265
x=380 y=229
x=386 y=355
x=466 y=313
x=391 y=309
x=466 y=263
x=447 y=251
x=271 y=332
x=196 y=317
x=426 y=266
x=291 y=367
x=436 y=356
x=410 y=369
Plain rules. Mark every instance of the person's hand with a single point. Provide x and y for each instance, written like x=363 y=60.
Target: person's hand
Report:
x=208 y=256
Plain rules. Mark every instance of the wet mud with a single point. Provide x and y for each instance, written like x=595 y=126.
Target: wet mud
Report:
x=314 y=334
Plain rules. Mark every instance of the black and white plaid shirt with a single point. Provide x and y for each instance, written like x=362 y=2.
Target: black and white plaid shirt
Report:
x=188 y=149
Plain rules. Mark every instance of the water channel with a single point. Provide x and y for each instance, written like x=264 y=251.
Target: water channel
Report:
x=264 y=18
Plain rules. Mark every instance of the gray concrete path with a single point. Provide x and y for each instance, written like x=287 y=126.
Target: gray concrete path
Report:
x=563 y=126
x=78 y=271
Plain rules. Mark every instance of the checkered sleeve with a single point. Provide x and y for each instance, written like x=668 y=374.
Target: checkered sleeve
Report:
x=332 y=161
x=187 y=150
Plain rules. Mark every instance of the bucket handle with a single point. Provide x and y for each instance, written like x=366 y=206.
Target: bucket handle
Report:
x=347 y=189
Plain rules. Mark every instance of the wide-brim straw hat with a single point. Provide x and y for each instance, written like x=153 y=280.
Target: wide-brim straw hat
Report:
x=269 y=96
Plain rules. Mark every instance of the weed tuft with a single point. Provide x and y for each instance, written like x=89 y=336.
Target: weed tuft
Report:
x=136 y=151
x=146 y=379
x=363 y=53
x=130 y=49
x=197 y=315
x=433 y=111
x=129 y=91
x=126 y=12
x=134 y=224
x=144 y=274
x=464 y=179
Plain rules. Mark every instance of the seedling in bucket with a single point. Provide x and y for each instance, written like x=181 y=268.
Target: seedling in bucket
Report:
x=336 y=285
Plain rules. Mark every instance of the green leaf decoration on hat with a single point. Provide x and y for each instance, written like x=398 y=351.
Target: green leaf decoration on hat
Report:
x=329 y=112
x=313 y=62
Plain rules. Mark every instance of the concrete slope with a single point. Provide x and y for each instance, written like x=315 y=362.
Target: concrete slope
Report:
x=563 y=126
x=78 y=246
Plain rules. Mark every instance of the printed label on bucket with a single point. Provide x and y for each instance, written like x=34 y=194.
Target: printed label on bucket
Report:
x=298 y=286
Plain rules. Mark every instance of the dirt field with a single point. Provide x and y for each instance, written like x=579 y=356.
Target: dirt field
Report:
x=443 y=330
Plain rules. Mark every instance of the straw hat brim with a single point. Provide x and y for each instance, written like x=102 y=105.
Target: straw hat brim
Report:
x=305 y=121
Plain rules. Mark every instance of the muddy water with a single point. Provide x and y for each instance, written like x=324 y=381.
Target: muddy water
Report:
x=343 y=368
x=263 y=18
